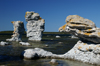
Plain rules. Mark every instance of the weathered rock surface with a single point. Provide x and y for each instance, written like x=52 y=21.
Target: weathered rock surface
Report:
x=18 y=31
x=37 y=53
x=83 y=28
x=35 y=26
x=85 y=52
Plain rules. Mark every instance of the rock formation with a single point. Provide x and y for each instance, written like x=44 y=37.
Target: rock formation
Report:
x=85 y=50
x=18 y=31
x=35 y=26
x=84 y=29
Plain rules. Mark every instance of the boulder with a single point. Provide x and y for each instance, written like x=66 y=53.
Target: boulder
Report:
x=36 y=53
x=18 y=31
x=29 y=54
x=35 y=26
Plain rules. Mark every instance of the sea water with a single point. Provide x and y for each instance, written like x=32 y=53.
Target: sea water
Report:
x=10 y=54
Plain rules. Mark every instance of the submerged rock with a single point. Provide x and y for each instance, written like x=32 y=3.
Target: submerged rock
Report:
x=57 y=36
x=74 y=37
x=53 y=61
x=35 y=26
x=18 y=31
x=46 y=45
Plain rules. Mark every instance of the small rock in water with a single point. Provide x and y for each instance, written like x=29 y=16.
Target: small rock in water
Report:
x=57 y=36
x=53 y=61
x=74 y=37
x=46 y=45
x=60 y=42
x=24 y=43
x=3 y=43
x=29 y=54
x=51 y=39
x=36 y=53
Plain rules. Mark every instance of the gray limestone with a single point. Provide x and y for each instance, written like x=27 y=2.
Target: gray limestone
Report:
x=82 y=28
x=18 y=31
x=85 y=52
x=35 y=26
x=88 y=48
x=37 y=52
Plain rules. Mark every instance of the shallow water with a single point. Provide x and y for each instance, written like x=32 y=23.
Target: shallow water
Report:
x=10 y=54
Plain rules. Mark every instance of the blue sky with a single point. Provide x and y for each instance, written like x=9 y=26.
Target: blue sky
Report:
x=53 y=11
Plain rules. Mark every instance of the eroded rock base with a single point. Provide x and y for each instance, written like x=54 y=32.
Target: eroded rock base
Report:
x=84 y=52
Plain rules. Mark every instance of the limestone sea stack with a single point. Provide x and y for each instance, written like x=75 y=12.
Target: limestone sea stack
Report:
x=18 y=31
x=88 y=47
x=35 y=26
x=83 y=28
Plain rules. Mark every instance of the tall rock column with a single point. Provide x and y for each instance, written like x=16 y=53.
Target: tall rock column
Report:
x=35 y=26
x=18 y=31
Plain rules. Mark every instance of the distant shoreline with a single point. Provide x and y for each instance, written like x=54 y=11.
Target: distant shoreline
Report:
x=11 y=32
x=44 y=33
